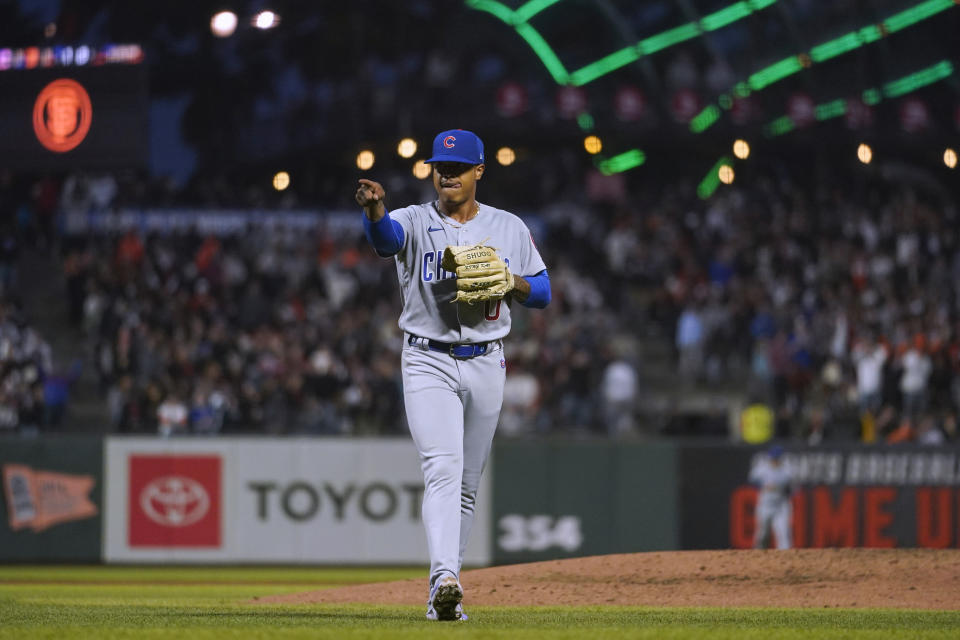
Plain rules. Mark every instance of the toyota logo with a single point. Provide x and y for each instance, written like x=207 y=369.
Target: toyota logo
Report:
x=175 y=501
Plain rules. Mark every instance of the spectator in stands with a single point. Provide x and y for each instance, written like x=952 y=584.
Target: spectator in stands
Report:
x=869 y=356
x=172 y=416
x=690 y=342
x=928 y=433
x=758 y=288
x=619 y=388
x=26 y=364
x=916 y=368
x=521 y=399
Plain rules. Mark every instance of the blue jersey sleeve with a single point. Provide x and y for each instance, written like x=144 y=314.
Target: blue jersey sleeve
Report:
x=539 y=291
x=386 y=235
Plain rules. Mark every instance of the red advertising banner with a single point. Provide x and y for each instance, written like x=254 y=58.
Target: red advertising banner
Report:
x=857 y=517
x=843 y=497
x=175 y=501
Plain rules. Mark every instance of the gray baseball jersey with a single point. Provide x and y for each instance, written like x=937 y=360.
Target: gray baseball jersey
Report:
x=427 y=289
x=774 y=510
x=775 y=482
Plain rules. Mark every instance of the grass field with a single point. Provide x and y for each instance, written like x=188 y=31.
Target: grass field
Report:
x=173 y=602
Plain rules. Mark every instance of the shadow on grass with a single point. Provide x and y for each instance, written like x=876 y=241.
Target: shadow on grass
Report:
x=377 y=615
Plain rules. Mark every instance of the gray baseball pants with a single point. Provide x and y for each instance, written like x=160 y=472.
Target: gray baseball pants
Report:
x=452 y=407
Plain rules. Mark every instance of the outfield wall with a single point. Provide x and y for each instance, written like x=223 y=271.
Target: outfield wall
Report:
x=563 y=499
x=356 y=501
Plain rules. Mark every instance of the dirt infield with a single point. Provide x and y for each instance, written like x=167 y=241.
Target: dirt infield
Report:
x=884 y=578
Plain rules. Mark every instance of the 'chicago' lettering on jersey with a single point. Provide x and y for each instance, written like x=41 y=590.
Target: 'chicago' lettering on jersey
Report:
x=433 y=272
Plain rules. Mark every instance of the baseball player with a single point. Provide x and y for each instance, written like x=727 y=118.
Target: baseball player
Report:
x=461 y=265
x=774 y=509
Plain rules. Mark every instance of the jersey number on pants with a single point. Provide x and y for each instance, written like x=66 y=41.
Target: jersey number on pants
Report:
x=494 y=313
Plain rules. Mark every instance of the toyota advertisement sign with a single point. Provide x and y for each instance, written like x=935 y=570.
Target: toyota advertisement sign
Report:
x=311 y=500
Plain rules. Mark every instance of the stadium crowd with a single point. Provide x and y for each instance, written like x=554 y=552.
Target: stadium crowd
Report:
x=836 y=311
x=32 y=394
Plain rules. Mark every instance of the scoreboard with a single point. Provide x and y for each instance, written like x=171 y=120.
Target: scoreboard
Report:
x=59 y=116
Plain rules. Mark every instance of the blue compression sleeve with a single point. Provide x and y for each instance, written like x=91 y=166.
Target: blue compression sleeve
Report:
x=539 y=290
x=386 y=235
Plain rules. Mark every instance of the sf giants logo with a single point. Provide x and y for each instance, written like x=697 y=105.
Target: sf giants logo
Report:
x=62 y=115
x=448 y=142
x=431 y=271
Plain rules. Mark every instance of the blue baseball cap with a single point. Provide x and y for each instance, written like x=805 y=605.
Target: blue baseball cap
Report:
x=775 y=451
x=457 y=145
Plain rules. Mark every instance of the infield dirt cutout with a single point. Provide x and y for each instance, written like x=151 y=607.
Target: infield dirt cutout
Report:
x=863 y=578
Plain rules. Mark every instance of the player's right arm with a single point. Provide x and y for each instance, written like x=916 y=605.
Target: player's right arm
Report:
x=370 y=196
x=385 y=234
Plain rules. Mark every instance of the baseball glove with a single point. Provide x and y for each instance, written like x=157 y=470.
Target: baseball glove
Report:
x=481 y=274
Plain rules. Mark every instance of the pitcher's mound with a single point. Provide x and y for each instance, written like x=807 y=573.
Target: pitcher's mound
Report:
x=882 y=578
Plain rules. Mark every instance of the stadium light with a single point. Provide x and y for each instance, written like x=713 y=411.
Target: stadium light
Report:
x=223 y=24
x=741 y=149
x=593 y=145
x=421 y=170
x=365 y=160
x=407 y=148
x=950 y=158
x=266 y=20
x=864 y=153
x=281 y=180
x=725 y=174
x=506 y=156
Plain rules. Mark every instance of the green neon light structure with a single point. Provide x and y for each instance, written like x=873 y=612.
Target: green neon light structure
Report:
x=895 y=89
x=622 y=162
x=704 y=119
x=922 y=78
x=830 y=109
x=871 y=97
x=519 y=19
x=780 y=126
x=774 y=73
x=836 y=47
x=711 y=181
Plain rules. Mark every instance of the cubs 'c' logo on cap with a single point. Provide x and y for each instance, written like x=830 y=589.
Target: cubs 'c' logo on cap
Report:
x=61 y=115
x=448 y=142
